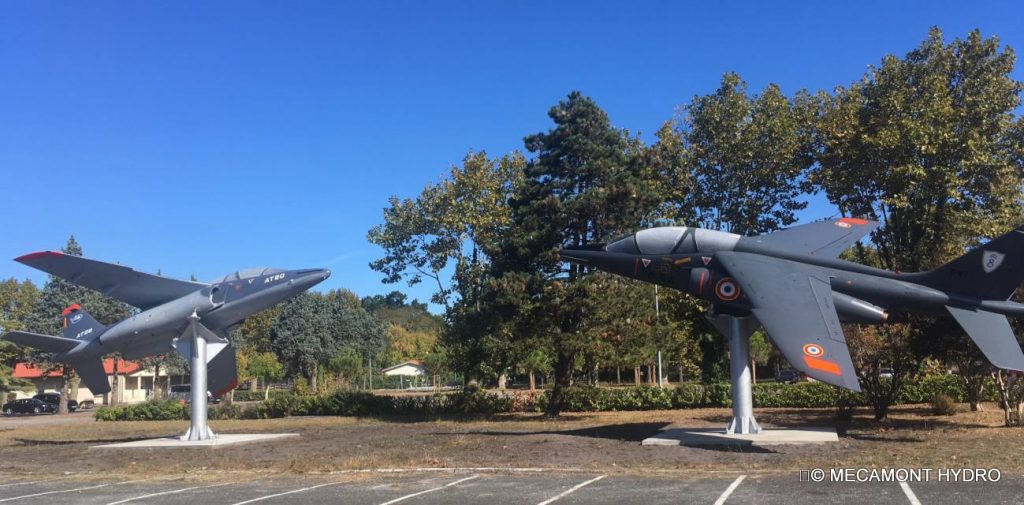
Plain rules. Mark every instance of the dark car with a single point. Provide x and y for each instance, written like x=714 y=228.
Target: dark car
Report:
x=183 y=393
x=28 y=406
x=54 y=398
x=788 y=376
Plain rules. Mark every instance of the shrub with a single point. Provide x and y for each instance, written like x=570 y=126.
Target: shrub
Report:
x=155 y=410
x=943 y=405
x=577 y=399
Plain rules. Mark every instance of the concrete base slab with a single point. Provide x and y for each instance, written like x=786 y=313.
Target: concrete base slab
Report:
x=768 y=436
x=222 y=439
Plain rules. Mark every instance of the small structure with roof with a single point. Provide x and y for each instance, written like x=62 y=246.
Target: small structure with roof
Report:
x=412 y=368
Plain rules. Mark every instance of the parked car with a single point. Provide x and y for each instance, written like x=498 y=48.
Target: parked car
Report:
x=183 y=393
x=54 y=398
x=28 y=406
x=885 y=372
x=788 y=376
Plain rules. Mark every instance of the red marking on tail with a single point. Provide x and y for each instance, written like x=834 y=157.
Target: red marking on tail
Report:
x=37 y=255
x=71 y=308
x=853 y=220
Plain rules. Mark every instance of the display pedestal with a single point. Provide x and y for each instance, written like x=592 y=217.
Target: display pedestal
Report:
x=737 y=329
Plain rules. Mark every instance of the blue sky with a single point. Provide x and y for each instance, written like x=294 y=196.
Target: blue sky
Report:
x=205 y=137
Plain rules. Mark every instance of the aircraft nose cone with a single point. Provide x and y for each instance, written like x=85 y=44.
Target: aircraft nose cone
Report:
x=595 y=256
x=312 y=277
x=584 y=254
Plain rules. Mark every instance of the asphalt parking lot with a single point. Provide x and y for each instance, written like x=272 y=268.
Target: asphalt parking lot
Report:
x=505 y=488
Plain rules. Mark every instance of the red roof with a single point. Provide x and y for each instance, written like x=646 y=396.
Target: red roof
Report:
x=29 y=371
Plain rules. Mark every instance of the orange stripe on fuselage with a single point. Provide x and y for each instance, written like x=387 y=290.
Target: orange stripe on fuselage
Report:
x=823 y=365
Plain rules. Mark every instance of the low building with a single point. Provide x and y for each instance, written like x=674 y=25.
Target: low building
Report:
x=413 y=368
x=135 y=383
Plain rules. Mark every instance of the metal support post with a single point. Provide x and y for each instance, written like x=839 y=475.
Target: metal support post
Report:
x=738 y=330
x=199 y=429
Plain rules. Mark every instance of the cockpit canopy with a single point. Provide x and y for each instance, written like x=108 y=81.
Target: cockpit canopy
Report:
x=662 y=240
x=674 y=240
x=248 y=274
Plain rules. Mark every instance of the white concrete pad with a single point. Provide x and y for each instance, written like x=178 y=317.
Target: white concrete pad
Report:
x=768 y=436
x=222 y=440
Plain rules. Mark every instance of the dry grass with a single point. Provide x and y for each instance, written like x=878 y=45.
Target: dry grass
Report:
x=608 y=442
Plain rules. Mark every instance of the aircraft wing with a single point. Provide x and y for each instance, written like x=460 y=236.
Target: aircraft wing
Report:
x=794 y=304
x=140 y=289
x=822 y=238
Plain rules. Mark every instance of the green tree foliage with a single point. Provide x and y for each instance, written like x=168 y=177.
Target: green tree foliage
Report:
x=450 y=224
x=447 y=235
x=303 y=334
x=749 y=156
x=930 y=145
x=17 y=300
x=256 y=333
x=313 y=328
x=412 y=330
x=586 y=184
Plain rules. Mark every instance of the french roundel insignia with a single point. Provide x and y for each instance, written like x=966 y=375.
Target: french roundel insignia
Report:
x=727 y=289
x=814 y=350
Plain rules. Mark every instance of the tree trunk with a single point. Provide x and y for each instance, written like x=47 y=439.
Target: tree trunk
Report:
x=618 y=375
x=636 y=375
x=312 y=378
x=533 y=381
x=563 y=379
x=115 y=388
x=156 y=381
x=753 y=371
x=502 y=382
x=650 y=375
x=680 y=373
x=62 y=407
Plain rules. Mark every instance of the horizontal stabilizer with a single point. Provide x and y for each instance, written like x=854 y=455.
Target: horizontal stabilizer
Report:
x=48 y=343
x=93 y=376
x=993 y=335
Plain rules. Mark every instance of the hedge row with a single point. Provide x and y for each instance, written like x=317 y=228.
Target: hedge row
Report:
x=578 y=399
x=245 y=395
x=162 y=410
x=359 y=403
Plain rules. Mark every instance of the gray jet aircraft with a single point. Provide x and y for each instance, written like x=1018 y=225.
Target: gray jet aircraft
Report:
x=166 y=306
x=793 y=284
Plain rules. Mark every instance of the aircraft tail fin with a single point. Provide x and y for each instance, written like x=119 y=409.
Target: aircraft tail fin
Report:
x=992 y=271
x=993 y=335
x=93 y=375
x=79 y=325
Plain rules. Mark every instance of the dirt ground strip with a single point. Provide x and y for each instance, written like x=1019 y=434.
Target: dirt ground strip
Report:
x=608 y=443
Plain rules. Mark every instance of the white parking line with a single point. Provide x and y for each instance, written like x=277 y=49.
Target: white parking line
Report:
x=70 y=490
x=173 y=491
x=575 y=488
x=732 y=487
x=269 y=496
x=910 y=493
x=450 y=484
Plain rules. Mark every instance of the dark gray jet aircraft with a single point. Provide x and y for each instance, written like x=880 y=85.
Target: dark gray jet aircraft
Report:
x=165 y=306
x=794 y=285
